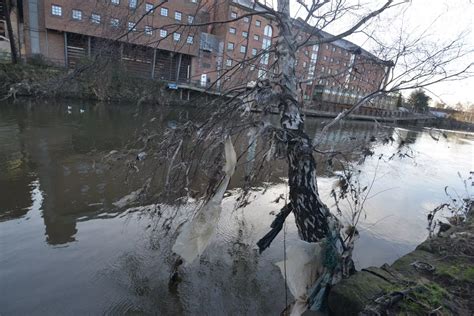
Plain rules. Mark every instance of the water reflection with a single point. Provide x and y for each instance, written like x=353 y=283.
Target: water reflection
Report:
x=62 y=144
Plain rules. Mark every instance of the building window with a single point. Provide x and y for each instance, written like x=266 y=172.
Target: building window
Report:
x=149 y=7
x=232 y=30
x=331 y=60
x=254 y=52
x=115 y=2
x=246 y=19
x=256 y=37
x=178 y=15
x=334 y=49
x=252 y=67
x=163 y=33
x=95 y=18
x=56 y=10
x=258 y=23
x=327 y=46
x=132 y=26
x=230 y=46
x=228 y=62
x=148 y=30
x=190 y=19
x=114 y=22
x=132 y=4
x=164 y=11
x=325 y=57
x=194 y=1
x=190 y=39
x=233 y=15
x=243 y=49
x=268 y=31
x=77 y=15
x=245 y=34
x=176 y=36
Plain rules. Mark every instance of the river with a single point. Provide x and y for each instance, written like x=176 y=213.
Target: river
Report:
x=66 y=250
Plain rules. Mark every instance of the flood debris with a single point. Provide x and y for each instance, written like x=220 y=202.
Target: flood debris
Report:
x=134 y=196
x=196 y=233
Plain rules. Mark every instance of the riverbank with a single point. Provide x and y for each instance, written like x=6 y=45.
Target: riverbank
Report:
x=110 y=82
x=437 y=278
x=91 y=81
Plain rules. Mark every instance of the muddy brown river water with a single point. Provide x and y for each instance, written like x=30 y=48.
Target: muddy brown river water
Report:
x=65 y=250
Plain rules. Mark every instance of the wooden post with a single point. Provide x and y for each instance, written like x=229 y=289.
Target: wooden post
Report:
x=153 y=64
x=179 y=66
x=66 y=59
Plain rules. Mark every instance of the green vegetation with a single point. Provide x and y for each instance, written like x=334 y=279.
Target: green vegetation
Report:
x=423 y=300
x=418 y=100
x=90 y=80
x=460 y=272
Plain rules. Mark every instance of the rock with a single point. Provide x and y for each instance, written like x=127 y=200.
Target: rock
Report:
x=350 y=296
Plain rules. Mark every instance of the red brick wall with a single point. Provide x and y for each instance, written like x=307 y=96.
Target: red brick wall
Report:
x=107 y=11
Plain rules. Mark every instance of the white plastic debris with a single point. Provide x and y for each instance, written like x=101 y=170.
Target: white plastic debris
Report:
x=141 y=156
x=304 y=264
x=197 y=233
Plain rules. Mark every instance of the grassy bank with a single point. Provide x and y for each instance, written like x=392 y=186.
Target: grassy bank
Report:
x=437 y=278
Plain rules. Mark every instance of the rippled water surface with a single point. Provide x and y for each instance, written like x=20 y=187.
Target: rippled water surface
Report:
x=65 y=249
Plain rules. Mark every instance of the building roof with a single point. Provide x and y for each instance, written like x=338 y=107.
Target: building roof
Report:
x=342 y=43
x=250 y=4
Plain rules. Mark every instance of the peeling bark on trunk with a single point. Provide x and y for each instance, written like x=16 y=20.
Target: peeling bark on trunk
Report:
x=313 y=219
x=310 y=213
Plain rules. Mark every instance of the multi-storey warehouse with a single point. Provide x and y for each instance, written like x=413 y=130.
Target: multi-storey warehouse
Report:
x=186 y=41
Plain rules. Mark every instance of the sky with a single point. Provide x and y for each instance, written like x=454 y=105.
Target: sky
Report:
x=443 y=20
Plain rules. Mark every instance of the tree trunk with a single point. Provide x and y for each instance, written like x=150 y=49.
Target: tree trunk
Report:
x=11 y=36
x=314 y=221
x=310 y=213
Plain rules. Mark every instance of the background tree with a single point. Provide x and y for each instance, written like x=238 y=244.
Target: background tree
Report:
x=400 y=101
x=418 y=100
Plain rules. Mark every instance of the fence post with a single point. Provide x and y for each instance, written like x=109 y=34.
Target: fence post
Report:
x=153 y=64
x=66 y=61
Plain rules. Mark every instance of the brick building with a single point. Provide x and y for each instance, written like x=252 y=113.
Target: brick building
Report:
x=180 y=41
x=151 y=39
x=17 y=25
